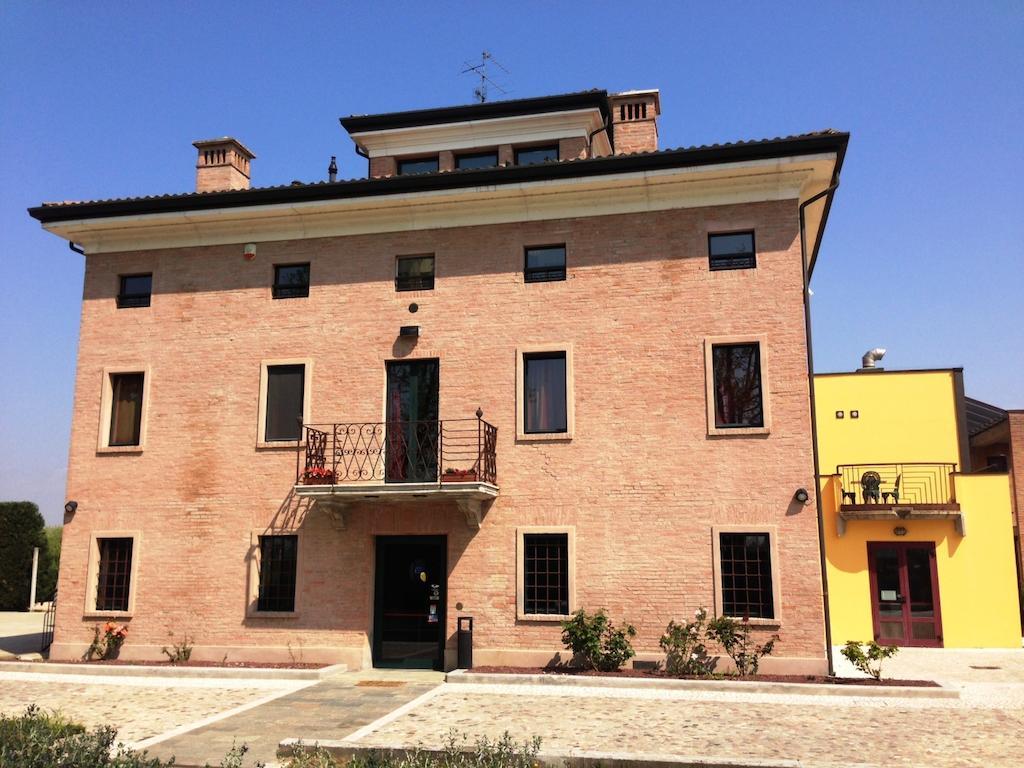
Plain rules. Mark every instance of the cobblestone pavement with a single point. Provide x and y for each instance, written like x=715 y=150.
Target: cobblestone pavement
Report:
x=818 y=730
x=139 y=708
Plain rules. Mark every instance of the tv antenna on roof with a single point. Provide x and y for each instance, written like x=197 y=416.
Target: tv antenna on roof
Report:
x=480 y=70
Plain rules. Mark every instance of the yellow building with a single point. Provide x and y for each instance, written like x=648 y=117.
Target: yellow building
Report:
x=920 y=552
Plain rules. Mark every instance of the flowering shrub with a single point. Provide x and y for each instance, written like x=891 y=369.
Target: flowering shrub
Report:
x=596 y=643
x=685 y=653
x=318 y=476
x=870 y=662
x=109 y=645
x=734 y=637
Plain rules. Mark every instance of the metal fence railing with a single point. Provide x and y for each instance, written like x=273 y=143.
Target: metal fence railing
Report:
x=452 y=450
x=904 y=484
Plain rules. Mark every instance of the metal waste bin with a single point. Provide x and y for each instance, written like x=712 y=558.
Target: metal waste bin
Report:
x=465 y=638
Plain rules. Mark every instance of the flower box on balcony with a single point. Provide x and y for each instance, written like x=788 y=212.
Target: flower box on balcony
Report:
x=459 y=476
x=318 y=476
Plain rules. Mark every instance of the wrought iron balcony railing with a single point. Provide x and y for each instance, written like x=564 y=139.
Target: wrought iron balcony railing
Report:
x=452 y=450
x=908 y=484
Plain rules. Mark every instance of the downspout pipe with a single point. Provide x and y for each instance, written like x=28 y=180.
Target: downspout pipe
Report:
x=75 y=248
x=829 y=192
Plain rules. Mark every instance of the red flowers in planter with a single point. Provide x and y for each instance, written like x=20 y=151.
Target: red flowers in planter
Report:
x=318 y=476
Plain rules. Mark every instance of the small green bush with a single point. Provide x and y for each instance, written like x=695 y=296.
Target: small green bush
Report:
x=596 y=643
x=178 y=653
x=685 y=652
x=504 y=752
x=869 y=662
x=734 y=637
x=39 y=740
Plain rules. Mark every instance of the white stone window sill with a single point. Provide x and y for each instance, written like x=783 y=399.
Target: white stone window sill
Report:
x=107 y=615
x=119 y=449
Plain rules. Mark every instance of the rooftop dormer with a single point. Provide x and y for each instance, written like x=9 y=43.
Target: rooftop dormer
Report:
x=490 y=134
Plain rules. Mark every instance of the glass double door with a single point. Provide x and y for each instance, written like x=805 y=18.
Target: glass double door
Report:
x=905 y=593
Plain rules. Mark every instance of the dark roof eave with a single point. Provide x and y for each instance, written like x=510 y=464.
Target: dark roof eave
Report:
x=678 y=158
x=597 y=99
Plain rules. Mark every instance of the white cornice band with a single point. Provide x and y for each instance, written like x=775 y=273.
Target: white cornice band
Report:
x=794 y=178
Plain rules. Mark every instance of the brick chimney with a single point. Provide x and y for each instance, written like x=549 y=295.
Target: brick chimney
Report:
x=635 y=120
x=222 y=164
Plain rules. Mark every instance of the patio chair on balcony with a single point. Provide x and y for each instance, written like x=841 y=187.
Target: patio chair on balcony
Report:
x=870 y=482
x=895 y=492
x=849 y=496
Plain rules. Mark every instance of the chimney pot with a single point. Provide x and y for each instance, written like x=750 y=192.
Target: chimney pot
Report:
x=222 y=164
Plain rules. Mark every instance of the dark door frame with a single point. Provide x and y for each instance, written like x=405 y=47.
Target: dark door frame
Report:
x=417 y=434
x=441 y=541
x=901 y=547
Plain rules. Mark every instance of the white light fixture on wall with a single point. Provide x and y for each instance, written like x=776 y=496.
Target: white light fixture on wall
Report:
x=249 y=251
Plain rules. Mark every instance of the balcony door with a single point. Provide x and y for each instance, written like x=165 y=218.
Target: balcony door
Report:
x=412 y=426
x=905 y=593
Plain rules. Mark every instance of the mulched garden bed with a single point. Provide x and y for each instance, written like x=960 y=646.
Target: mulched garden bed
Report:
x=662 y=675
x=222 y=664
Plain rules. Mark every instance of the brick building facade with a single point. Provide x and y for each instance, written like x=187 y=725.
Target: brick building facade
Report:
x=627 y=494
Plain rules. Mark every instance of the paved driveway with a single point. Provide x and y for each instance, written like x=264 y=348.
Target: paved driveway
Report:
x=985 y=727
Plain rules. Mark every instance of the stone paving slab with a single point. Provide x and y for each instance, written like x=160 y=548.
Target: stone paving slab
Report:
x=330 y=710
x=139 y=709
x=822 y=731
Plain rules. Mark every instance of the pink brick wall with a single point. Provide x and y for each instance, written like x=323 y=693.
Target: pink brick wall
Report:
x=642 y=482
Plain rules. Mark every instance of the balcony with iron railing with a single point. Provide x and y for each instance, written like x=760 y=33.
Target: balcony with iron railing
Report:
x=883 y=491
x=341 y=463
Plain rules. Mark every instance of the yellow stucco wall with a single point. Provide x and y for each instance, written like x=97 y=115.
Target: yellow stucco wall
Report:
x=911 y=417
x=904 y=417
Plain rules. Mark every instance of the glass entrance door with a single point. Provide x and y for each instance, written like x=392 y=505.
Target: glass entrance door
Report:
x=412 y=427
x=904 y=593
x=410 y=594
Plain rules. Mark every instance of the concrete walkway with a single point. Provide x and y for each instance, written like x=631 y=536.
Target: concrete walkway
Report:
x=329 y=710
x=20 y=632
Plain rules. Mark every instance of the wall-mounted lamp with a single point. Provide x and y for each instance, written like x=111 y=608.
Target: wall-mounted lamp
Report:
x=412 y=331
x=802 y=496
x=839 y=414
x=899 y=530
x=70 y=507
x=854 y=414
x=249 y=251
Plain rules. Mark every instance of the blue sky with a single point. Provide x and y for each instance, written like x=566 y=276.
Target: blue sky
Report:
x=923 y=254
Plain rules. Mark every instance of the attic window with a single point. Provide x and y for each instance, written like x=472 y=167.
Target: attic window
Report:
x=417 y=165
x=533 y=155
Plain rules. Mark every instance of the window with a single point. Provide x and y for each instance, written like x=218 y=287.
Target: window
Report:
x=291 y=281
x=277 y=573
x=113 y=579
x=544 y=264
x=477 y=160
x=736 y=390
x=286 y=385
x=533 y=155
x=734 y=250
x=414 y=273
x=135 y=290
x=417 y=165
x=284 y=400
x=745 y=571
x=546 y=574
x=544 y=400
x=126 y=409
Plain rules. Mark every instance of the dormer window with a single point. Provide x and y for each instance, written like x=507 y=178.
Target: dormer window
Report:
x=534 y=155
x=476 y=160
x=417 y=165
